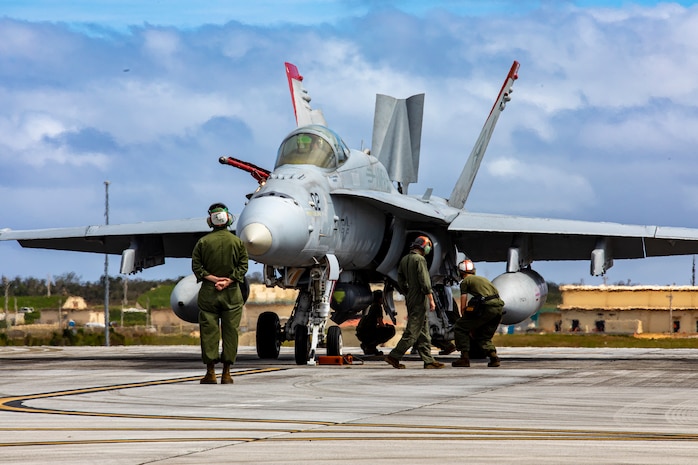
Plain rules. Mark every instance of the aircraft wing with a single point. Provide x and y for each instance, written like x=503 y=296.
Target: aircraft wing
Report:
x=141 y=245
x=489 y=237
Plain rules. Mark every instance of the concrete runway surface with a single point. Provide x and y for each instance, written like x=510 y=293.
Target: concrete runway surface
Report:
x=144 y=405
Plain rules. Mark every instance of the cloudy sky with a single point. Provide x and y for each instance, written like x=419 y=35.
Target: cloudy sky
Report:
x=603 y=125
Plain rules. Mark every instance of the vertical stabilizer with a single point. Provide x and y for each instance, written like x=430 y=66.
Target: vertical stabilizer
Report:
x=467 y=177
x=397 y=133
x=300 y=97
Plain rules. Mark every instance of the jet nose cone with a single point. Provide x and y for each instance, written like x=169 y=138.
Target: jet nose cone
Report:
x=275 y=231
x=257 y=238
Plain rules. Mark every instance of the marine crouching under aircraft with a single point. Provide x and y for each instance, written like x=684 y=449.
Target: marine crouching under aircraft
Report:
x=332 y=222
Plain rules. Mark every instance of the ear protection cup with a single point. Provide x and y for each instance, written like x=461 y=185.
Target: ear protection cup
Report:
x=219 y=216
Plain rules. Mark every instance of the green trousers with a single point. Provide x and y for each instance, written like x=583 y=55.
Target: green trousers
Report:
x=417 y=330
x=220 y=320
x=481 y=328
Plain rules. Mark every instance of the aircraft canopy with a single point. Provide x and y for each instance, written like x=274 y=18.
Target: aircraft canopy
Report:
x=312 y=145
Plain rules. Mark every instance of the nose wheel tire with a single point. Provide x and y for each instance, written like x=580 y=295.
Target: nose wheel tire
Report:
x=334 y=340
x=302 y=345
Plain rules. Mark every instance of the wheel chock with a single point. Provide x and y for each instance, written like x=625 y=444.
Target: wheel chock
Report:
x=335 y=360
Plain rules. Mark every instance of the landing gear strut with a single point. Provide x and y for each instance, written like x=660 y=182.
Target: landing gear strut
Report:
x=308 y=321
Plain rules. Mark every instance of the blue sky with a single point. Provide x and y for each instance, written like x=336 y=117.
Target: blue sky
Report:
x=603 y=123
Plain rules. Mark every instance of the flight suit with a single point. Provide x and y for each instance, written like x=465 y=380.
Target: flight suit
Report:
x=371 y=330
x=482 y=325
x=413 y=276
x=220 y=253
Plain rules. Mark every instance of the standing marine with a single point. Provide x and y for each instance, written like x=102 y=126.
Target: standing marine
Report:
x=480 y=316
x=219 y=262
x=415 y=283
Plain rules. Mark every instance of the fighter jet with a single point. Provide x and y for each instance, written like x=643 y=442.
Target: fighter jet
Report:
x=334 y=222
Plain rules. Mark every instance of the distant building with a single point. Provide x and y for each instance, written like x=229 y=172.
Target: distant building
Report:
x=74 y=303
x=624 y=309
x=73 y=309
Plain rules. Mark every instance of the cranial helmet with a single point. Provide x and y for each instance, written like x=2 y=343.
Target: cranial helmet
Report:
x=467 y=266
x=218 y=216
x=303 y=142
x=424 y=243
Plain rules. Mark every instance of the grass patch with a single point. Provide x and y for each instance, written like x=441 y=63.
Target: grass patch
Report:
x=157 y=297
x=595 y=341
x=90 y=337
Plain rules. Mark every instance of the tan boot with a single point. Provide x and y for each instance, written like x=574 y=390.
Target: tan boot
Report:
x=225 y=377
x=434 y=365
x=210 y=377
x=494 y=360
x=463 y=361
x=448 y=350
x=394 y=362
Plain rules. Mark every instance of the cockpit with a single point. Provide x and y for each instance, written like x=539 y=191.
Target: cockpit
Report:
x=312 y=145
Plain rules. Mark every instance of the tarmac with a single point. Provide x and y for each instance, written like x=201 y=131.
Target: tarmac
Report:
x=144 y=405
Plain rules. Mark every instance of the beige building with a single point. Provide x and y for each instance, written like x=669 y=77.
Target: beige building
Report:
x=74 y=303
x=625 y=309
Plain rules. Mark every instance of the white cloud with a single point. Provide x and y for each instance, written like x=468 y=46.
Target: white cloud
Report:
x=21 y=132
x=162 y=46
x=601 y=92
x=526 y=184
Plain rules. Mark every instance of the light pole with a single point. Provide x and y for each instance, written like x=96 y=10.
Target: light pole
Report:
x=671 y=314
x=6 y=285
x=106 y=269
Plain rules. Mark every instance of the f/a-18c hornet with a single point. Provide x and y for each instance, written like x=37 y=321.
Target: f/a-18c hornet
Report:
x=332 y=222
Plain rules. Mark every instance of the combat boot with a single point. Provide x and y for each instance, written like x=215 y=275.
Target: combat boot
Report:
x=370 y=350
x=394 y=362
x=494 y=360
x=434 y=365
x=210 y=377
x=448 y=350
x=225 y=376
x=463 y=361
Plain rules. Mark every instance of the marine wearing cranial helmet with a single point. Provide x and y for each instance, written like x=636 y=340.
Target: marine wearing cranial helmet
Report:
x=219 y=216
x=219 y=261
x=423 y=243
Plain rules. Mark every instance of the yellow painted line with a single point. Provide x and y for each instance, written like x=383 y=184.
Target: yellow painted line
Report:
x=560 y=436
x=145 y=429
x=485 y=438
x=389 y=432
x=114 y=387
x=120 y=441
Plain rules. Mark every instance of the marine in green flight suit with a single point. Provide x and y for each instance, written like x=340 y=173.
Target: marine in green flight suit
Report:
x=413 y=277
x=219 y=261
x=479 y=322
